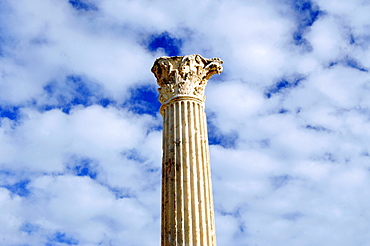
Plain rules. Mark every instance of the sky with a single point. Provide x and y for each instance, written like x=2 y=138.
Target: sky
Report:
x=288 y=119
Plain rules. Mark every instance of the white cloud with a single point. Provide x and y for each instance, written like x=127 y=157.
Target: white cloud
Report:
x=297 y=173
x=329 y=39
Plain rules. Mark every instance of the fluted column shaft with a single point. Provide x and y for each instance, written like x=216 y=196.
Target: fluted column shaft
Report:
x=187 y=202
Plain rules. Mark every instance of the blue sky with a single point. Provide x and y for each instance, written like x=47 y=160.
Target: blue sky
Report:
x=288 y=119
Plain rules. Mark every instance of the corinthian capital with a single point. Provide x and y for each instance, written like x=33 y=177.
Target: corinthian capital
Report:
x=184 y=75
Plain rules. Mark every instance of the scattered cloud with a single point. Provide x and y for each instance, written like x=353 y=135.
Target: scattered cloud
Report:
x=288 y=119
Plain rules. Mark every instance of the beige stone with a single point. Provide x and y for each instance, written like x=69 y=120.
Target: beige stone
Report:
x=187 y=200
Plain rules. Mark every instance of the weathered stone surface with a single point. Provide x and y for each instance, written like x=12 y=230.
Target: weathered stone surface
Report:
x=187 y=201
x=184 y=75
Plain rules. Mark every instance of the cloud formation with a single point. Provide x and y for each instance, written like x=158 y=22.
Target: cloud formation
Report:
x=288 y=119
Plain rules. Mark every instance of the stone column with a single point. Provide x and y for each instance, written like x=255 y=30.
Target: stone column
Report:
x=187 y=201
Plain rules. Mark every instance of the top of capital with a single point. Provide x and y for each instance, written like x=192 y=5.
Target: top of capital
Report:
x=184 y=75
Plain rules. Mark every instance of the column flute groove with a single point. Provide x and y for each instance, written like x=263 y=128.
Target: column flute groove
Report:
x=200 y=183
x=187 y=200
x=164 y=179
x=186 y=174
x=194 y=176
x=179 y=176
x=203 y=164
x=171 y=193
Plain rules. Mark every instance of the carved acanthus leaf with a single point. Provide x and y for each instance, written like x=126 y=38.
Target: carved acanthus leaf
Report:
x=184 y=75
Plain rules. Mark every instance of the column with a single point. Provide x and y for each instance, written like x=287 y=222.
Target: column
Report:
x=187 y=202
